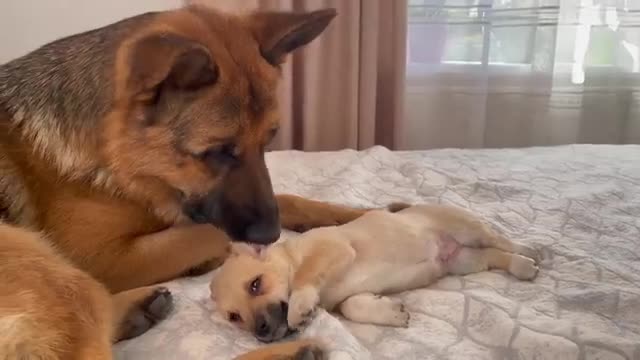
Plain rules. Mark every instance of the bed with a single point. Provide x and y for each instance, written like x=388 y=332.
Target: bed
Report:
x=579 y=205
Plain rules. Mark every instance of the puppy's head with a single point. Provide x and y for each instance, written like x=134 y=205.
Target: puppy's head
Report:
x=252 y=292
x=195 y=106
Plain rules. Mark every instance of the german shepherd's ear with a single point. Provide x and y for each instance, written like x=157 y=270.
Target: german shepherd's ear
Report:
x=168 y=60
x=280 y=33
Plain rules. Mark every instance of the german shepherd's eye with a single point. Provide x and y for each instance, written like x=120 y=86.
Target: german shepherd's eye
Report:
x=235 y=317
x=255 y=285
x=220 y=155
x=270 y=136
x=272 y=133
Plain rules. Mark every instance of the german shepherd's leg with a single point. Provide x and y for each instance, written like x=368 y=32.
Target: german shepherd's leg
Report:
x=48 y=308
x=472 y=260
x=368 y=308
x=100 y=350
x=292 y=350
x=161 y=256
x=300 y=214
x=136 y=311
x=324 y=259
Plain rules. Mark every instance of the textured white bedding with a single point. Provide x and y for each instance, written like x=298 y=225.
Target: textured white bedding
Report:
x=579 y=205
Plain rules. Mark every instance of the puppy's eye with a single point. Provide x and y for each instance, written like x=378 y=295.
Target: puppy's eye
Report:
x=220 y=155
x=255 y=285
x=234 y=317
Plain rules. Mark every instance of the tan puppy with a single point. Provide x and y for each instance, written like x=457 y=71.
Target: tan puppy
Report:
x=347 y=266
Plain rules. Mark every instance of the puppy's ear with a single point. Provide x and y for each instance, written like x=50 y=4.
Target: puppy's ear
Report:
x=167 y=62
x=397 y=206
x=238 y=248
x=280 y=33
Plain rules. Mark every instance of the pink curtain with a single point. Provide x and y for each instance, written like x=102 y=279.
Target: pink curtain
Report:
x=345 y=89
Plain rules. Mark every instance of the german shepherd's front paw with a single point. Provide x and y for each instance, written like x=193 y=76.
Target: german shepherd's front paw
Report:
x=302 y=306
x=310 y=352
x=151 y=310
x=300 y=214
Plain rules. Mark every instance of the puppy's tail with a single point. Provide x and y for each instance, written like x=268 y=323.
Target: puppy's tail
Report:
x=397 y=206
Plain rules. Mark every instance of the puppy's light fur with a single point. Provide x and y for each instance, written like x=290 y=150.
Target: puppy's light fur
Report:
x=347 y=267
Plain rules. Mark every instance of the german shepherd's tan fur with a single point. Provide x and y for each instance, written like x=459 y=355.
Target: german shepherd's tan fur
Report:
x=119 y=148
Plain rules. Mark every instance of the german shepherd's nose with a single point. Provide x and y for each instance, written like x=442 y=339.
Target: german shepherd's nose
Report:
x=260 y=226
x=244 y=207
x=257 y=223
x=266 y=230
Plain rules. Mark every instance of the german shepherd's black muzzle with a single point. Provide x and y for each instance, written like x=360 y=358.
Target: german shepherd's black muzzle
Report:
x=244 y=206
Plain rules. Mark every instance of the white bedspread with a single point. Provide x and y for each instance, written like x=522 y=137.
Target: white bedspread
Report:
x=580 y=205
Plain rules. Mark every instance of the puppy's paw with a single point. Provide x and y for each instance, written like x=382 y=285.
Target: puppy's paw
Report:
x=311 y=352
x=401 y=316
x=302 y=306
x=523 y=268
x=144 y=315
x=393 y=312
x=527 y=251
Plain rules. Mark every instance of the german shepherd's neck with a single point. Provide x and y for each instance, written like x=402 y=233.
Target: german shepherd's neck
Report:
x=171 y=111
x=51 y=101
x=61 y=91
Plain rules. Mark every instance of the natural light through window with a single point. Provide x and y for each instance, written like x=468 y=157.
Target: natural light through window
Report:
x=562 y=36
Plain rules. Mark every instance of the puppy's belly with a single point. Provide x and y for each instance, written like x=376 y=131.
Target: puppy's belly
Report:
x=381 y=278
x=391 y=257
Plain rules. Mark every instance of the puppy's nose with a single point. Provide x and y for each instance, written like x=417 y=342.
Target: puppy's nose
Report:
x=262 y=328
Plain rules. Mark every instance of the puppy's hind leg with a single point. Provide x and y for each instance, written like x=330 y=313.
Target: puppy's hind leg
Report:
x=468 y=230
x=137 y=310
x=470 y=260
x=495 y=240
x=474 y=233
x=373 y=309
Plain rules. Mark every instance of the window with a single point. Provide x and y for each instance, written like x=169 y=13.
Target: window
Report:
x=515 y=35
x=479 y=32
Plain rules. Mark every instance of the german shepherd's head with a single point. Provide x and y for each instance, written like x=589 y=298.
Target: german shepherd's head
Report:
x=194 y=108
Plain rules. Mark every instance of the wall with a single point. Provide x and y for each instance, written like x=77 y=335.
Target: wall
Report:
x=28 y=24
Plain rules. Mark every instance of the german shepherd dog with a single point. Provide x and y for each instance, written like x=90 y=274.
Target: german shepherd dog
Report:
x=119 y=148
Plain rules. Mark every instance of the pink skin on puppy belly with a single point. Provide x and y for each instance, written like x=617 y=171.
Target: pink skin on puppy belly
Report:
x=448 y=248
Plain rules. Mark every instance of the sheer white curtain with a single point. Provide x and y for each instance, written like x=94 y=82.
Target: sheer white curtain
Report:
x=503 y=73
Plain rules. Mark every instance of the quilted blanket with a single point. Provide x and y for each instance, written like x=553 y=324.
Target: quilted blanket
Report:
x=579 y=205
